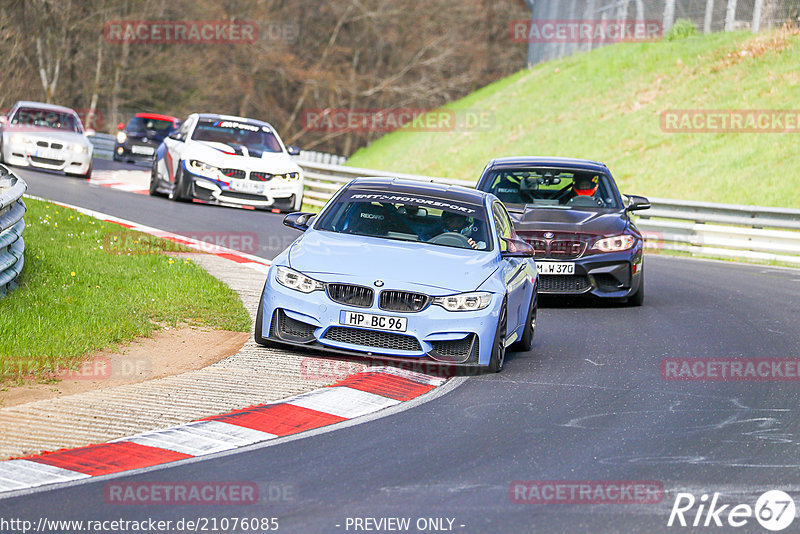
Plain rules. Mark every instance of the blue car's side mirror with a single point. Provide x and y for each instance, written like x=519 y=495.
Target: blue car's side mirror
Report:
x=298 y=220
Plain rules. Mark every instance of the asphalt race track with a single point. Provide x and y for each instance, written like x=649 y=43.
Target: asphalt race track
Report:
x=587 y=404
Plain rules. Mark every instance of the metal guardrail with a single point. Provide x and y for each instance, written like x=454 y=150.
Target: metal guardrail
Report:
x=12 y=246
x=721 y=230
x=103 y=145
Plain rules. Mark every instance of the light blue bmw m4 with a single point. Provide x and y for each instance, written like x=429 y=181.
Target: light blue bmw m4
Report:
x=404 y=270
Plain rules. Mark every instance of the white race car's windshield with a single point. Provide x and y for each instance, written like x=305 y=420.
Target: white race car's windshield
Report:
x=557 y=188
x=46 y=118
x=404 y=217
x=240 y=137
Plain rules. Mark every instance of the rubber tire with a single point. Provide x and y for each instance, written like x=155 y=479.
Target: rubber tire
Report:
x=498 y=358
x=178 y=194
x=154 y=182
x=258 y=334
x=525 y=343
x=637 y=299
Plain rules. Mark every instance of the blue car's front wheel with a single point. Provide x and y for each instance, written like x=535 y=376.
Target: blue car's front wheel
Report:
x=498 y=357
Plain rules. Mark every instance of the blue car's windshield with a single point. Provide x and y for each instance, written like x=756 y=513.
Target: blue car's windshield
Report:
x=407 y=217
x=556 y=188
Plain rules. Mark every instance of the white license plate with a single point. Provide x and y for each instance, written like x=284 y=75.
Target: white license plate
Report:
x=246 y=186
x=138 y=149
x=48 y=153
x=555 y=267
x=377 y=322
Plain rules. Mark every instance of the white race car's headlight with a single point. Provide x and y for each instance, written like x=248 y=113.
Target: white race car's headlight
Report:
x=121 y=137
x=617 y=243
x=291 y=176
x=298 y=281
x=19 y=139
x=476 y=300
x=204 y=169
x=79 y=149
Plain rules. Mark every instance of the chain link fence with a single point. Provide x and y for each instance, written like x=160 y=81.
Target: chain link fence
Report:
x=707 y=15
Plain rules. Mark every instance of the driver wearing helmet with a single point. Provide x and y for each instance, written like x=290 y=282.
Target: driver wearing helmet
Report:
x=463 y=225
x=585 y=186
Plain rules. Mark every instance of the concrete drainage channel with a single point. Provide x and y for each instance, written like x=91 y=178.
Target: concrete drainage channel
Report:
x=262 y=394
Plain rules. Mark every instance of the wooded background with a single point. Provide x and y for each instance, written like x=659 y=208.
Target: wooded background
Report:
x=310 y=54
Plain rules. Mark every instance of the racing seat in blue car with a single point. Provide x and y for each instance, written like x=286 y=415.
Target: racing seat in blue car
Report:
x=368 y=219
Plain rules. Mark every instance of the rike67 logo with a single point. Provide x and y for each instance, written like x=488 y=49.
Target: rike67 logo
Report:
x=774 y=510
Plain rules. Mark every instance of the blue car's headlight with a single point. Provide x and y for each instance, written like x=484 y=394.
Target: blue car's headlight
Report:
x=298 y=281
x=476 y=300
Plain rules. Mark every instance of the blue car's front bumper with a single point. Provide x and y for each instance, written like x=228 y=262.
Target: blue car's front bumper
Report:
x=433 y=334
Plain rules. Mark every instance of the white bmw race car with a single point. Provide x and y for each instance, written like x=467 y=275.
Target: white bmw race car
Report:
x=46 y=136
x=222 y=159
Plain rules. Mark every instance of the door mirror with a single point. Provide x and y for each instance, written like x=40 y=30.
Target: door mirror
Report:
x=3 y=120
x=90 y=132
x=293 y=150
x=637 y=203
x=121 y=126
x=176 y=136
x=517 y=248
x=299 y=220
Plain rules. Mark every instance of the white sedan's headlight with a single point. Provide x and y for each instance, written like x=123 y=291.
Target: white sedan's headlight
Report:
x=617 y=243
x=296 y=280
x=476 y=300
x=204 y=169
x=79 y=149
x=19 y=139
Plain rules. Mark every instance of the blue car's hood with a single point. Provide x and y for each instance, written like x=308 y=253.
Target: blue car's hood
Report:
x=330 y=257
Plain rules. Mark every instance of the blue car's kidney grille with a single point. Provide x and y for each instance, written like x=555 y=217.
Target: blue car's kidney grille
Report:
x=373 y=338
x=350 y=295
x=402 y=301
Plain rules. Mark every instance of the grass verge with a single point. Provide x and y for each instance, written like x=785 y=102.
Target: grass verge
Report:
x=607 y=105
x=90 y=285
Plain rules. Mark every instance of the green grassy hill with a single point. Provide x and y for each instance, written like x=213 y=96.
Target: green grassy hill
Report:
x=606 y=105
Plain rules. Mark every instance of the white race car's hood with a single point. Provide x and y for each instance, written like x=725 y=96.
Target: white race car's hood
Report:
x=225 y=157
x=50 y=134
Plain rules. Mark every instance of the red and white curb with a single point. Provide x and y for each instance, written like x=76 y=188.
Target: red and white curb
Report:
x=353 y=397
x=259 y=264
x=132 y=181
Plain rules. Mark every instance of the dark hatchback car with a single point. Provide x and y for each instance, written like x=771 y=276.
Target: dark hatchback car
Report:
x=139 y=140
x=572 y=213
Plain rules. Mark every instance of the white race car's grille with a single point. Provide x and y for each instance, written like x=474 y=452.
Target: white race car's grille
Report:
x=259 y=176
x=234 y=173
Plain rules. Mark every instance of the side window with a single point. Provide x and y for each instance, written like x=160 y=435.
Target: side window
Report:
x=502 y=224
x=183 y=131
